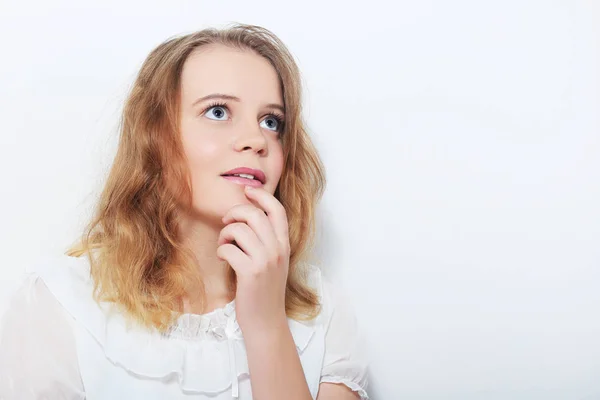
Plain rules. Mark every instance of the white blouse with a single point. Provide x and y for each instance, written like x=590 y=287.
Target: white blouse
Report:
x=56 y=342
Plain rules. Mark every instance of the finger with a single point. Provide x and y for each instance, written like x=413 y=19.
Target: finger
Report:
x=256 y=219
x=274 y=209
x=244 y=237
x=234 y=256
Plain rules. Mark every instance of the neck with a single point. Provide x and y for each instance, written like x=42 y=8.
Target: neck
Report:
x=201 y=237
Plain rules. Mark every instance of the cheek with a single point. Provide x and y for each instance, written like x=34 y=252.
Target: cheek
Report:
x=277 y=164
x=201 y=149
x=203 y=153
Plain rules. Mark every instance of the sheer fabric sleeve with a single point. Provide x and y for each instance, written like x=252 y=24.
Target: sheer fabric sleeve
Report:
x=38 y=357
x=345 y=359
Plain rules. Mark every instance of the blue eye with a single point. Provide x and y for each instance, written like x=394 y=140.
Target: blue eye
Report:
x=218 y=113
x=273 y=123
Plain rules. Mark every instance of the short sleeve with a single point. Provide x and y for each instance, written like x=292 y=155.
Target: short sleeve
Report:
x=38 y=357
x=345 y=359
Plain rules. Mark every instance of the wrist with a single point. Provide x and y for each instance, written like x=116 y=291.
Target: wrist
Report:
x=266 y=332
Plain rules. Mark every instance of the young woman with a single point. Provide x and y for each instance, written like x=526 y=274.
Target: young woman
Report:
x=190 y=282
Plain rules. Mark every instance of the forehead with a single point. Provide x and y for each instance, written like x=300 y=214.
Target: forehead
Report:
x=221 y=69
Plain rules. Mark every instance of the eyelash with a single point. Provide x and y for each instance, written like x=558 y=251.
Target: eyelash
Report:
x=278 y=117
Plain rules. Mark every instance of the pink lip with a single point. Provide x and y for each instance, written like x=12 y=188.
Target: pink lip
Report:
x=243 y=181
x=258 y=175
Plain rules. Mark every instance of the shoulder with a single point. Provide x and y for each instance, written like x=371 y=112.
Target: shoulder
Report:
x=63 y=270
x=69 y=281
x=39 y=299
x=37 y=350
x=31 y=297
x=56 y=290
x=332 y=296
x=37 y=286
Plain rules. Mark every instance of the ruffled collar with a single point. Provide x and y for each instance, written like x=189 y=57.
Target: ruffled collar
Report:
x=188 y=351
x=209 y=326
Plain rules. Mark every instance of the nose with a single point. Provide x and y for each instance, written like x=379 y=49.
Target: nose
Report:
x=251 y=139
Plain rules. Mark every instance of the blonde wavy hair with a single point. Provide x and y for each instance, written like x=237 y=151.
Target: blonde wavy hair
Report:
x=137 y=255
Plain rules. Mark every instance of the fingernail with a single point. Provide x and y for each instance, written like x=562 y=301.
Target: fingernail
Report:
x=249 y=188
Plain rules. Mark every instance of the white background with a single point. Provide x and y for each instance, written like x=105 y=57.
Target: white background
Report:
x=461 y=140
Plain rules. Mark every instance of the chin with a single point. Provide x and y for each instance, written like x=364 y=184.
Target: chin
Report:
x=213 y=213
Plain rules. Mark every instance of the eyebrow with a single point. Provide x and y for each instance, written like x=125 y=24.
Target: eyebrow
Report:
x=233 y=98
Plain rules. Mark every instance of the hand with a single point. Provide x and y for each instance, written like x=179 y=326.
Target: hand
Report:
x=260 y=259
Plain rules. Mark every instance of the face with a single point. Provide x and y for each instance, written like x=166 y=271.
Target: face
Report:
x=231 y=117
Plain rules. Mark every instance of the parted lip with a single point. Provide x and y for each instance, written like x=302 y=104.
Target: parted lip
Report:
x=257 y=173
